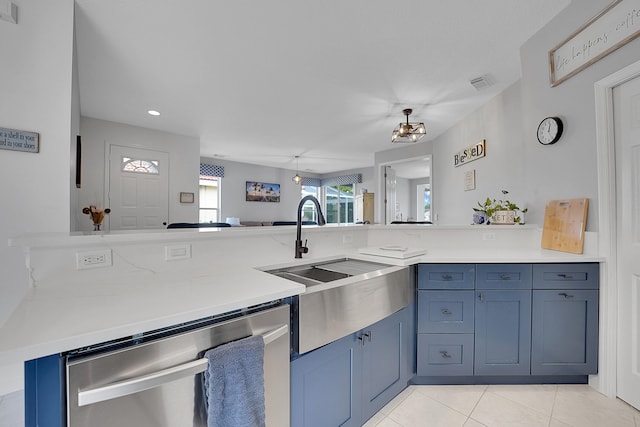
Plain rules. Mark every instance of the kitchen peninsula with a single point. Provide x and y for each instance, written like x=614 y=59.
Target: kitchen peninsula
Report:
x=216 y=271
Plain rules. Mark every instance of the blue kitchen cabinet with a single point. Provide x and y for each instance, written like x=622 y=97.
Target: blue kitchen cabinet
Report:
x=325 y=385
x=503 y=332
x=526 y=321
x=565 y=319
x=346 y=382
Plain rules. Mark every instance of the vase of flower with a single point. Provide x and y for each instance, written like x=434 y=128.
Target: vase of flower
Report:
x=499 y=211
x=97 y=215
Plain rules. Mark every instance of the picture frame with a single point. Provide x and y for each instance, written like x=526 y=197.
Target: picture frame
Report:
x=256 y=191
x=615 y=26
x=187 y=197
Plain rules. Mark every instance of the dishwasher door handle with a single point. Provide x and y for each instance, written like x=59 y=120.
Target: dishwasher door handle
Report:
x=155 y=379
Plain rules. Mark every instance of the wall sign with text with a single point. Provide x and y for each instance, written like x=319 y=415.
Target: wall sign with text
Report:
x=19 y=140
x=471 y=153
x=616 y=25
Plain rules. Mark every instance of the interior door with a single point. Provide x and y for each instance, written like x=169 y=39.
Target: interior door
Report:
x=626 y=101
x=390 y=194
x=138 y=192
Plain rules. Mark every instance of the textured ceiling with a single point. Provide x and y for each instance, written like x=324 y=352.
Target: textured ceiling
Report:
x=264 y=81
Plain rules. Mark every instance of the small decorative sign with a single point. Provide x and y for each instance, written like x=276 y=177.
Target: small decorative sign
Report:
x=18 y=140
x=470 y=180
x=616 y=25
x=186 y=197
x=469 y=154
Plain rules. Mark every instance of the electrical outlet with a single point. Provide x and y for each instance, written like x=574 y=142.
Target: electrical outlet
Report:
x=488 y=236
x=175 y=252
x=347 y=238
x=93 y=259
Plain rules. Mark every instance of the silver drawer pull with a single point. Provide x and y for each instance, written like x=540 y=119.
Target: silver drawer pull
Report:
x=155 y=379
x=566 y=295
x=565 y=276
x=447 y=277
x=446 y=312
x=505 y=277
x=445 y=354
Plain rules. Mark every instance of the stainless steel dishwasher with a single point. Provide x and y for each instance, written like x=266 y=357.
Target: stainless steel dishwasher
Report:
x=155 y=379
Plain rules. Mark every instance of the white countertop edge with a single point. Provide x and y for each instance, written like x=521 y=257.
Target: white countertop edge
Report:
x=11 y=352
x=81 y=239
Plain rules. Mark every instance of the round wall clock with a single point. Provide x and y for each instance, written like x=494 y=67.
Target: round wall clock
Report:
x=550 y=130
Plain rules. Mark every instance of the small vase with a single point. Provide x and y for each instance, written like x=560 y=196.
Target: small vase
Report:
x=480 y=217
x=96 y=227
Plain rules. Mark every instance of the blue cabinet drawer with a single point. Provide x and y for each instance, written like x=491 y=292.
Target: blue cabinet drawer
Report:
x=446 y=276
x=566 y=276
x=445 y=354
x=503 y=276
x=445 y=311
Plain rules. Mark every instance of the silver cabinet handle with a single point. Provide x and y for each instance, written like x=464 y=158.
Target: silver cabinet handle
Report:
x=565 y=276
x=445 y=354
x=447 y=276
x=446 y=312
x=481 y=296
x=274 y=334
x=566 y=295
x=504 y=276
x=155 y=379
x=365 y=336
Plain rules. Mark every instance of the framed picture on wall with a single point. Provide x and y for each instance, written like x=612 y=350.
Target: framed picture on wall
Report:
x=262 y=192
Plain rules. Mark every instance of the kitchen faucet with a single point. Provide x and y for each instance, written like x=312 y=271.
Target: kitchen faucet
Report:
x=300 y=248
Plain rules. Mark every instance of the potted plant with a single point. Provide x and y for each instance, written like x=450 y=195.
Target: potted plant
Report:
x=498 y=211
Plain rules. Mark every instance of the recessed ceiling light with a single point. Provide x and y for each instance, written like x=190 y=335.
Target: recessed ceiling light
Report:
x=153 y=112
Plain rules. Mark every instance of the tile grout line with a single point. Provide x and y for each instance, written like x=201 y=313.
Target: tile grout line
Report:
x=553 y=407
x=476 y=405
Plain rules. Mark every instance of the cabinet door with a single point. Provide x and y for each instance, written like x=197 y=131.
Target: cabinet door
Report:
x=564 y=332
x=503 y=332
x=325 y=386
x=385 y=360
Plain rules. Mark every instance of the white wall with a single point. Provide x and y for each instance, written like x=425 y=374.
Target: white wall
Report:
x=500 y=123
x=236 y=175
x=233 y=192
x=36 y=88
x=568 y=168
x=184 y=165
x=532 y=173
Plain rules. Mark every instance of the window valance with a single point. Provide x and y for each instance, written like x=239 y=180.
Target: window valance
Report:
x=211 y=171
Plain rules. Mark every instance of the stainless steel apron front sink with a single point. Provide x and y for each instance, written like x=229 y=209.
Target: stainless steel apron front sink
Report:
x=363 y=293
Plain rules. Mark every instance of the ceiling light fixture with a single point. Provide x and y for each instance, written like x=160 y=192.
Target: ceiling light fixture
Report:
x=408 y=132
x=297 y=179
x=153 y=113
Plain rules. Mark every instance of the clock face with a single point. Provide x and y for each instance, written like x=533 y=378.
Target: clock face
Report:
x=549 y=130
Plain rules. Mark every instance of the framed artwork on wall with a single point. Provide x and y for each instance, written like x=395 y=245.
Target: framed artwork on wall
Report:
x=262 y=192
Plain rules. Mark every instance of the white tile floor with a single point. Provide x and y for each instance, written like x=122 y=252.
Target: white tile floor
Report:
x=505 y=405
x=468 y=406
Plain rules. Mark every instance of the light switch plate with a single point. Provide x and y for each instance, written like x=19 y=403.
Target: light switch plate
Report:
x=8 y=11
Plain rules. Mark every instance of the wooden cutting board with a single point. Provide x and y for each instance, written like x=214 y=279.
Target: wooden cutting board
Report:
x=564 y=225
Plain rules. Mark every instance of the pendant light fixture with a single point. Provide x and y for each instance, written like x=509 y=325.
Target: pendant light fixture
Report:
x=408 y=132
x=297 y=179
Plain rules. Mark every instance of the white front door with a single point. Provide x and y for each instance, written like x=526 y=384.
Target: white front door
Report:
x=138 y=192
x=626 y=102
